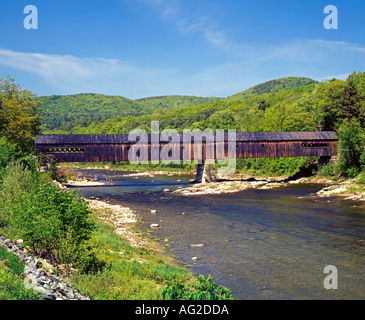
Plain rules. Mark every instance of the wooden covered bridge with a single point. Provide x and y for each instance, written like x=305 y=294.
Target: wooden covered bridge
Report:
x=187 y=147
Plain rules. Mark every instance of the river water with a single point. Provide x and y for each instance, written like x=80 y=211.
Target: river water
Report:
x=262 y=244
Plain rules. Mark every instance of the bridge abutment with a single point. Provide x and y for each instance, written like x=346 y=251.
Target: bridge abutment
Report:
x=205 y=172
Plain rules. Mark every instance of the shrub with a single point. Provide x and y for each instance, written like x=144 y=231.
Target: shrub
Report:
x=361 y=179
x=351 y=147
x=8 y=151
x=201 y=289
x=55 y=223
x=329 y=170
x=17 y=180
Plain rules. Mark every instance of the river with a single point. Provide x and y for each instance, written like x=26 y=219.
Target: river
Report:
x=262 y=244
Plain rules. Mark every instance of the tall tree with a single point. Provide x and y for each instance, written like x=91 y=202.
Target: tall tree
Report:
x=350 y=101
x=337 y=101
x=19 y=113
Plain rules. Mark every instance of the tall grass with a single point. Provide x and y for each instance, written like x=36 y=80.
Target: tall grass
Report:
x=130 y=273
x=11 y=279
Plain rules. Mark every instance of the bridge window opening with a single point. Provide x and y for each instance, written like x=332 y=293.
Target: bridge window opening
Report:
x=315 y=145
x=262 y=145
x=65 y=150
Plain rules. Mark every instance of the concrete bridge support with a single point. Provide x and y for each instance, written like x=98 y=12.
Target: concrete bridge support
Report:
x=205 y=172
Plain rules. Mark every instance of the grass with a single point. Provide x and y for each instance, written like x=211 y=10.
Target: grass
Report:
x=11 y=279
x=356 y=188
x=130 y=273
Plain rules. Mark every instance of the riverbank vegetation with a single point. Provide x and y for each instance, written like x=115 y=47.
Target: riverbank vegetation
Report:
x=56 y=224
x=11 y=278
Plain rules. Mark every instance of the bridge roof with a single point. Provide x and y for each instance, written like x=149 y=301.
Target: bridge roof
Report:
x=132 y=138
x=286 y=136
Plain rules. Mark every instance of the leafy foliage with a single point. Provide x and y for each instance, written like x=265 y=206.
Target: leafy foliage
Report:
x=19 y=114
x=12 y=288
x=351 y=147
x=11 y=261
x=11 y=278
x=337 y=101
x=273 y=86
x=62 y=113
x=54 y=223
x=201 y=289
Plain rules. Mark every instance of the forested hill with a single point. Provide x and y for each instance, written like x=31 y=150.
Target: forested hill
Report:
x=172 y=102
x=300 y=109
x=272 y=86
x=64 y=112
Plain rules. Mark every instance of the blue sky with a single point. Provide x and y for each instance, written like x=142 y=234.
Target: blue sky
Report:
x=141 y=48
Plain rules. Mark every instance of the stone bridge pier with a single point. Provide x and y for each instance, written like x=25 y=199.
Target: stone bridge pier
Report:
x=205 y=172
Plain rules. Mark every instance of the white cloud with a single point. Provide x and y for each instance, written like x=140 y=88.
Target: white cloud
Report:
x=189 y=22
x=70 y=74
x=49 y=66
x=204 y=27
x=247 y=66
x=166 y=9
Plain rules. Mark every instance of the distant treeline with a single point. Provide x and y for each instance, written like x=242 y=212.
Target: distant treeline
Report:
x=288 y=104
x=67 y=112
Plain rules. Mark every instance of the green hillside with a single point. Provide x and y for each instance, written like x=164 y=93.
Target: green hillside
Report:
x=62 y=113
x=286 y=104
x=285 y=110
x=333 y=105
x=272 y=86
x=172 y=102
x=69 y=111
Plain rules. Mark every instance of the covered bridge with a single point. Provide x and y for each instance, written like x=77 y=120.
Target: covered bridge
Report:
x=187 y=146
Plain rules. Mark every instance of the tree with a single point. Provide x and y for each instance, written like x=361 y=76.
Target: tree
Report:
x=224 y=119
x=337 y=101
x=350 y=101
x=358 y=78
x=263 y=105
x=351 y=147
x=299 y=122
x=19 y=114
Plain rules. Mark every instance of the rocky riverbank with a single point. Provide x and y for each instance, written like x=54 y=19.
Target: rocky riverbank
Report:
x=122 y=218
x=345 y=188
x=349 y=189
x=236 y=183
x=39 y=274
x=239 y=182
